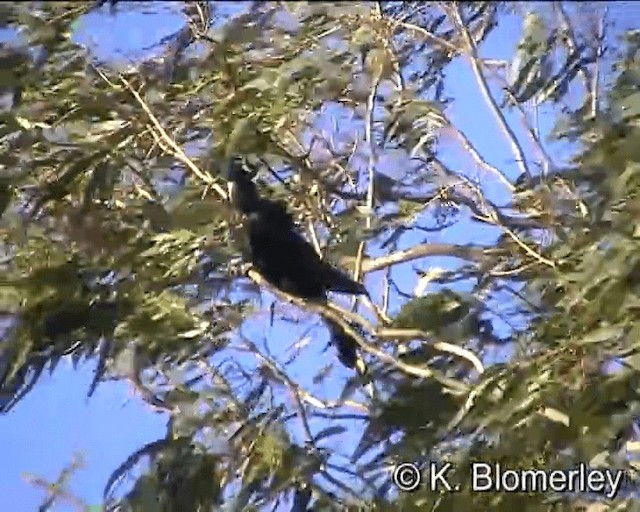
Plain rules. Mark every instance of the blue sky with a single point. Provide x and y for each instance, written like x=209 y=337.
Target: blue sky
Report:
x=56 y=420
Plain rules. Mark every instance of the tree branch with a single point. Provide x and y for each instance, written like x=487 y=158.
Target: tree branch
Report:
x=421 y=251
x=472 y=55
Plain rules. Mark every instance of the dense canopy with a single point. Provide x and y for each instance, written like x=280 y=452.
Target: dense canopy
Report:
x=475 y=165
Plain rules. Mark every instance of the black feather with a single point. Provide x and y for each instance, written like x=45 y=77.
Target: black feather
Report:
x=285 y=258
x=346 y=347
x=244 y=194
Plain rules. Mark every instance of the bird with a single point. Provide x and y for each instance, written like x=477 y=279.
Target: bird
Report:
x=286 y=259
x=242 y=191
x=346 y=347
x=282 y=255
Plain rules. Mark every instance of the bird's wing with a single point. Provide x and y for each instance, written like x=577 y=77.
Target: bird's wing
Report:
x=306 y=257
x=304 y=250
x=285 y=258
x=283 y=253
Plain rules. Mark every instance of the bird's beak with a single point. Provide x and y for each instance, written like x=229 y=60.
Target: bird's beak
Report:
x=230 y=190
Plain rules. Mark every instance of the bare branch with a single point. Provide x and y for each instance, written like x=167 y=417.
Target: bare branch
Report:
x=428 y=35
x=535 y=139
x=595 y=84
x=291 y=385
x=474 y=60
x=371 y=168
x=468 y=145
x=342 y=318
x=421 y=251
x=572 y=43
x=175 y=149
x=442 y=346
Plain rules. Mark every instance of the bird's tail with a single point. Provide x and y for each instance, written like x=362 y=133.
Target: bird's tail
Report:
x=347 y=348
x=337 y=281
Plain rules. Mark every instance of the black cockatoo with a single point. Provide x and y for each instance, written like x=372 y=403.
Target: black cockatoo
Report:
x=286 y=259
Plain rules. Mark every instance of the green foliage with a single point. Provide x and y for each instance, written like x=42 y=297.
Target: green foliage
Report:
x=434 y=310
x=118 y=246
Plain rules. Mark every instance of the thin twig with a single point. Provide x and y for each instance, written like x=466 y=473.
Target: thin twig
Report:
x=293 y=388
x=421 y=251
x=511 y=272
x=472 y=55
x=468 y=145
x=386 y=294
x=572 y=43
x=342 y=318
x=596 y=73
x=527 y=249
x=56 y=490
x=302 y=394
x=547 y=162
x=432 y=37
x=371 y=169
x=314 y=238
x=442 y=346
x=175 y=149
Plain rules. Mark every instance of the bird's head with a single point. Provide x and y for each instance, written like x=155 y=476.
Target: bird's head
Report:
x=240 y=188
x=236 y=169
